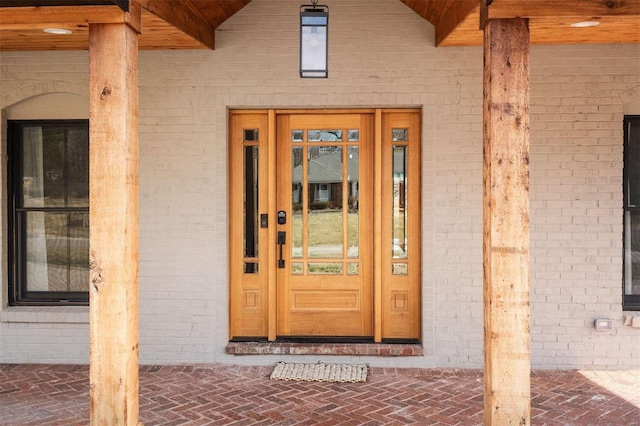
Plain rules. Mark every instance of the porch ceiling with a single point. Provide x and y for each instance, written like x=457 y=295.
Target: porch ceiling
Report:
x=457 y=22
x=191 y=24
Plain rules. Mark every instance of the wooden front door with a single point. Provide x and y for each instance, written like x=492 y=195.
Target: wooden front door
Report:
x=324 y=224
x=324 y=230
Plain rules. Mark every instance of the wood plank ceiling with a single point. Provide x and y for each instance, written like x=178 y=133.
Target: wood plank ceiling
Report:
x=191 y=24
x=457 y=22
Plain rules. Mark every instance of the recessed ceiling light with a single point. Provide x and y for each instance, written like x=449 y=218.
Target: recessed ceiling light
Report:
x=585 y=24
x=57 y=31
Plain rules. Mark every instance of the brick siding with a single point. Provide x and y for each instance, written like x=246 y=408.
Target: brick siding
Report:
x=383 y=57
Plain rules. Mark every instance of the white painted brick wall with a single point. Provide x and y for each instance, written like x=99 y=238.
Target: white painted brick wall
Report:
x=383 y=58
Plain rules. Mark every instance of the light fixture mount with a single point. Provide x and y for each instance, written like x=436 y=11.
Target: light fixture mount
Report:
x=314 y=40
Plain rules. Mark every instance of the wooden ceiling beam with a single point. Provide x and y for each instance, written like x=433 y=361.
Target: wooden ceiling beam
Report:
x=28 y=18
x=453 y=16
x=588 y=9
x=181 y=17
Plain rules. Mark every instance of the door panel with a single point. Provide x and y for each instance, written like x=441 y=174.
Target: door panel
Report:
x=324 y=285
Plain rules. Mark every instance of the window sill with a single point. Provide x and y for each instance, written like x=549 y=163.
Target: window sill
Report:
x=350 y=349
x=46 y=314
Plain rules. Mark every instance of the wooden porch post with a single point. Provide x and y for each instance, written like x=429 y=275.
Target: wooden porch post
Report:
x=113 y=162
x=506 y=223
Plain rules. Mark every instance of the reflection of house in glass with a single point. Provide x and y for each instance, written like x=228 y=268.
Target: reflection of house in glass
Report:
x=325 y=177
x=399 y=177
x=399 y=202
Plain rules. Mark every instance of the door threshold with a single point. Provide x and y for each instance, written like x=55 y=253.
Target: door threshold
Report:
x=324 y=339
x=326 y=348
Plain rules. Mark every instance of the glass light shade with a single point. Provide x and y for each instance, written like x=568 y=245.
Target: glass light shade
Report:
x=314 y=40
x=57 y=31
x=585 y=24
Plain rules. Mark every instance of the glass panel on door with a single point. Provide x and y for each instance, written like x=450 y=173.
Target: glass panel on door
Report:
x=325 y=216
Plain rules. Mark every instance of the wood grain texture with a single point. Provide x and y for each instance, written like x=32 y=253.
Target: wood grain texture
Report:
x=456 y=14
x=401 y=322
x=506 y=223
x=340 y=304
x=191 y=24
x=249 y=293
x=505 y=9
x=113 y=162
x=157 y=34
x=184 y=18
x=377 y=224
x=549 y=20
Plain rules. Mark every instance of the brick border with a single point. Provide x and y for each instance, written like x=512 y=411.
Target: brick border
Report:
x=359 y=349
x=42 y=88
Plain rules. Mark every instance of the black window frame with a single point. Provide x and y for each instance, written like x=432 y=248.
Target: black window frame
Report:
x=630 y=302
x=18 y=294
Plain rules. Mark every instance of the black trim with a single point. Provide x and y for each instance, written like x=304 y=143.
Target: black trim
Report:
x=401 y=341
x=18 y=293
x=630 y=302
x=249 y=339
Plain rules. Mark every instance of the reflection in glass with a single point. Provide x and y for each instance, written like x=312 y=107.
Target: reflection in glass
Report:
x=296 y=135
x=79 y=251
x=55 y=171
x=250 y=268
x=32 y=167
x=45 y=155
x=77 y=167
x=297 y=268
x=399 y=135
x=632 y=159
x=399 y=219
x=324 y=135
x=296 y=202
x=632 y=207
x=250 y=135
x=353 y=268
x=325 y=268
x=57 y=251
x=353 y=135
x=325 y=218
x=251 y=216
x=632 y=254
x=353 y=217
x=399 y=269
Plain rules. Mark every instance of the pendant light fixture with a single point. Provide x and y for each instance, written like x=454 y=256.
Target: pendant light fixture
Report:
x=314 y=40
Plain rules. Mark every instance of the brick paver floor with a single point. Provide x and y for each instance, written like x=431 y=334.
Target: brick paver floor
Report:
x=224 y=395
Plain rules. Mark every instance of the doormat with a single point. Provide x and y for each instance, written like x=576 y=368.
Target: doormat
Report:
x=320 y=372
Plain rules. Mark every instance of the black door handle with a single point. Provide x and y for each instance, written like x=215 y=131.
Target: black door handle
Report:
x=282 y=239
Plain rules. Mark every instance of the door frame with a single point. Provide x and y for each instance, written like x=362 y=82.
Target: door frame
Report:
x=253 y=296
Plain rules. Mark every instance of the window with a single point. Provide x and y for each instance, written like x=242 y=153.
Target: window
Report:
x=48 y=178
x=631 y=213
x=322 y=192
